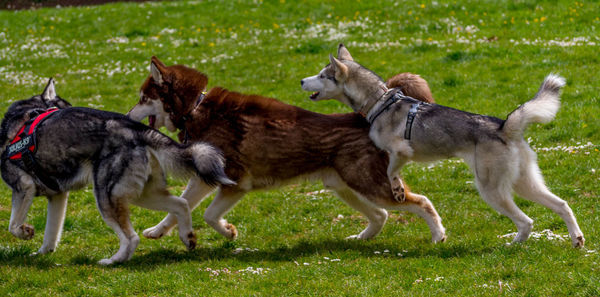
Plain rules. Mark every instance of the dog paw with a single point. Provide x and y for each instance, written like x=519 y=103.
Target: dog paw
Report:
x=191 y=241
x=398 y=189
x=232 y=230
x=42 y=251
x=155 y=232
x=25 y=232
x=439 y=239
x=578 y=241
x=106 y=262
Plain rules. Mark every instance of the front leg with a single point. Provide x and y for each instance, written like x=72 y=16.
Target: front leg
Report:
x=57 y=207
x=21 y=202
x=396 y=183
x=225 y=200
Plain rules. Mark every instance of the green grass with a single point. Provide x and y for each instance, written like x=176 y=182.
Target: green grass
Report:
x=482 y=56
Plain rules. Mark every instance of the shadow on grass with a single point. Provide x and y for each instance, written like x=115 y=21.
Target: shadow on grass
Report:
x=291 y=253
x=20 y=257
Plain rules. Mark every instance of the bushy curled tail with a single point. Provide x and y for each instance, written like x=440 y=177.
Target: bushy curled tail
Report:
x=208 y=162
x=541 y=109
x=185 y=160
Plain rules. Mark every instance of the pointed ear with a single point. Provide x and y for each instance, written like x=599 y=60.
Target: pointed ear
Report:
x=341 y=70
x=156 y=73
x=49 y=92
x=343 y=53
x=158 y=62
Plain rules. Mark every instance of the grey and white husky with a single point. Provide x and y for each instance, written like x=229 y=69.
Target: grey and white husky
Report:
x=500 y=158
x=125 y=160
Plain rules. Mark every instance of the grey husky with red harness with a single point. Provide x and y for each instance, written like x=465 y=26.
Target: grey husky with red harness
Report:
x=50 y=148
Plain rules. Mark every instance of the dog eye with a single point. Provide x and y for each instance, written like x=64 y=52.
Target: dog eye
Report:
x=321 y=76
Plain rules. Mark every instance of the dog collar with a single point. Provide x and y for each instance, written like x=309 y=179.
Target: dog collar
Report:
x=199 y=100
x=364 y=111
x=185 y=118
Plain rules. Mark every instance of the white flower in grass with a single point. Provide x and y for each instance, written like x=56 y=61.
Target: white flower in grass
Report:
x=120 y=39
x=166 y=31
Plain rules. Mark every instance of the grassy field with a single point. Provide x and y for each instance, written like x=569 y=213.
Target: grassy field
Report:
x=482 y=56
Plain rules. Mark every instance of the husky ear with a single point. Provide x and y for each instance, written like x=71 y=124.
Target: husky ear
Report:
x=156 y=73
x=158 y=62
x=341 y=70
x=343 y=53
x=49 y=92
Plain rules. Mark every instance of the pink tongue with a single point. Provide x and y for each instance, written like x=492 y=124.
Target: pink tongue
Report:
x=151 y=120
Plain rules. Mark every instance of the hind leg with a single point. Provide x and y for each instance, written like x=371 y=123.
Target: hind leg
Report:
x=194 y=193
x=158 y=198
x=376 y=216
x=116 y=215
x=119 y=178
x=420 y=205
x=225 y=200
x=57 y=207
x=500 y=198
x=531 y=186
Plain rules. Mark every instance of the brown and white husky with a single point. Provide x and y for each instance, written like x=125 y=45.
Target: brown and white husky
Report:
x=267 y=143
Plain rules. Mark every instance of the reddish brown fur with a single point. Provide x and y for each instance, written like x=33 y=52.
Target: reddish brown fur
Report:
x=273 y=141
x=411 y=85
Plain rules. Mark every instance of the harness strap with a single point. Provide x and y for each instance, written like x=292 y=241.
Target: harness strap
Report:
x=22 y=148
x=31 y=165
x=389 y=102
x=410 y=117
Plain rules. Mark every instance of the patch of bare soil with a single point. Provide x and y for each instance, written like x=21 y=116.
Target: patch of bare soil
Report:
x=32 y=4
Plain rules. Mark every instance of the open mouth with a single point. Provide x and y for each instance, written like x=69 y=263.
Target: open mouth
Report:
x=151 y=121
x=314 y=95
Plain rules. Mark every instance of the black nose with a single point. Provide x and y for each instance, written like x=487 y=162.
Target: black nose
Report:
x=302 y=82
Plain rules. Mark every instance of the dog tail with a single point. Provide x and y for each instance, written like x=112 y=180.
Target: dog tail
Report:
x=411 y=85
x=184 y=160
x=541 y=109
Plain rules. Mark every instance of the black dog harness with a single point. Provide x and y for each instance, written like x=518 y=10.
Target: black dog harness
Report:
x=22 y=148
x=410 y=117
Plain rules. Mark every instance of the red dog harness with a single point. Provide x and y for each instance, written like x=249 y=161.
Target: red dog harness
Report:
x=22 y=148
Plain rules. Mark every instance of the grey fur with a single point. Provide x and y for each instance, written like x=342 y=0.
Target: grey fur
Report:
x=125 y=160
x=499 y=157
